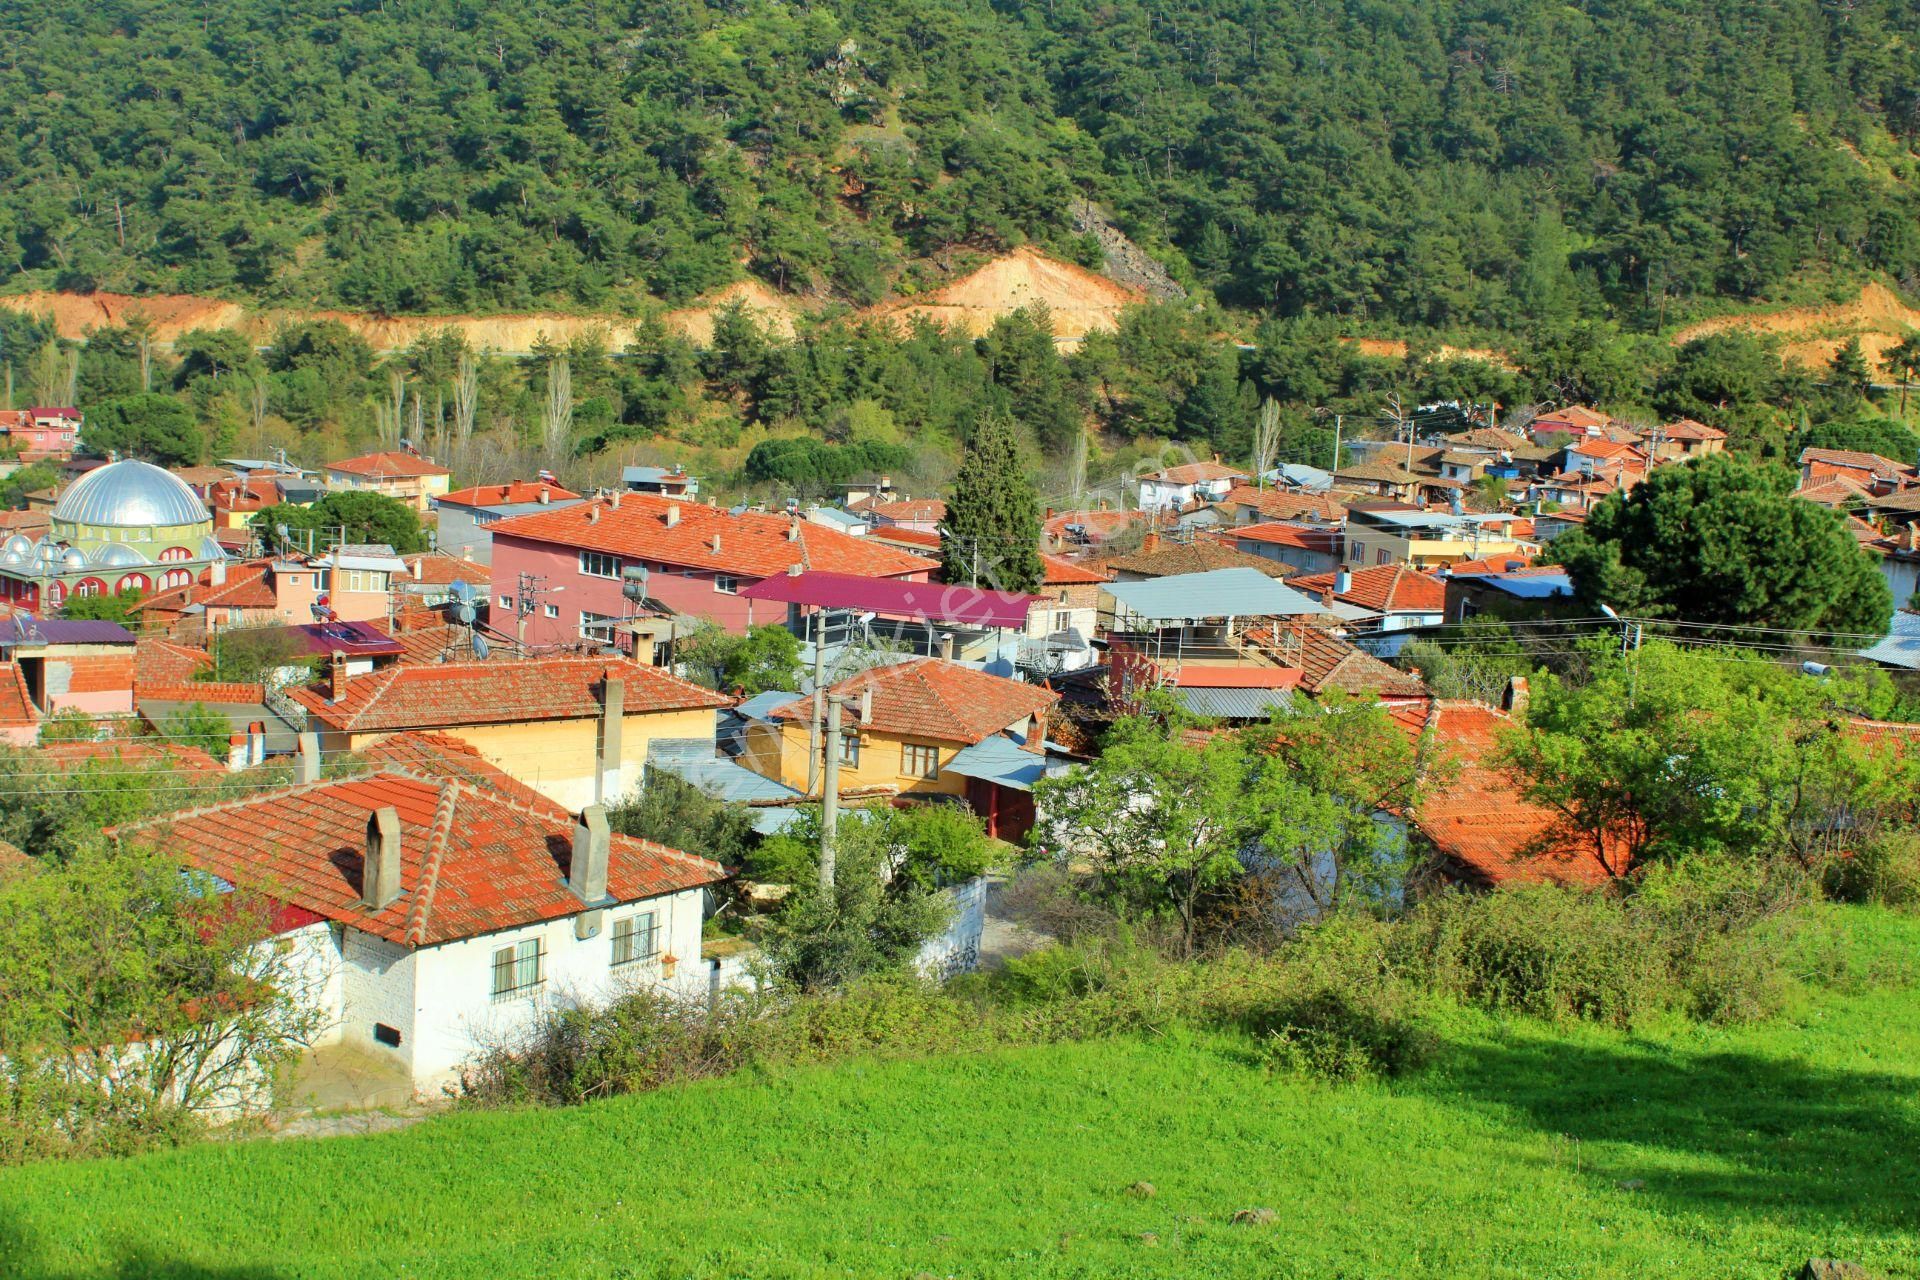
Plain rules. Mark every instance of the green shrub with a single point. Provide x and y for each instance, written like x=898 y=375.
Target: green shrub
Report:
x=1346 y=1034
x=1883 y=871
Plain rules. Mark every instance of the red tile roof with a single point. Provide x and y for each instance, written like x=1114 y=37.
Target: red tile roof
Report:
x=160 y=661
x=16 y=708
x=1688 y=429
x=211 y=692
x=752 y=544
x=246 y=587
x=1097 y=526
x=1386 y=588
x=144 y=753
x=930 y=698
x=1326 y=661
x=391 y=465
x=1307 y=538
x=1282 y=504
x=1476 y=816
x=438 y=569
x=1822 y=461
x=1577 y=415
x=1197 y=472
x=1511 y=564
x=473 y=861
x=914 y=510
x=503 y=495
x=1607 y=450
x=925 y=539
x=1058 y=571
x=1168 y=559
x=470 y=693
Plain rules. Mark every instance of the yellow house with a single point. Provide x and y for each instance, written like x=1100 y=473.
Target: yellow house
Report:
x=575 y=729
x=1396 y=534
x=919 y=716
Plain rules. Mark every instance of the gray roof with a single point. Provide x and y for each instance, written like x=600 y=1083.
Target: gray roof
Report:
x=1217 y=593
x=692 y=760
x=1233 y=704
x=282 y=738
x=1524 y=586
x=999 y=760
x=760 y=706
x=1901 y=648
x=131 y=494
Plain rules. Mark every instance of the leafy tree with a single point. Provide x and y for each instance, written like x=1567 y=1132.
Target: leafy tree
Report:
x=117 y=607
x=198 y=725
x=675 y=813
x=765 y=657
x=352 y=516
x=256 y=655
x=1722 y=540
x=31 y=478
x=992 y=531
x=139 y=953
x=149 y=426
x=1665 y=753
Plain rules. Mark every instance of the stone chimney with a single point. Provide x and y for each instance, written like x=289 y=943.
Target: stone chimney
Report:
x=592 y=845
x=309 y=757
x=1515 y=703
x=380 y=866
x=946 y=647
x=1342 y=582
x=593 y=513
x=336 y=676
x=614 y=500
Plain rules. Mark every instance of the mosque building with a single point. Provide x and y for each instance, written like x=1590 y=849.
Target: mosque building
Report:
x=127 y=525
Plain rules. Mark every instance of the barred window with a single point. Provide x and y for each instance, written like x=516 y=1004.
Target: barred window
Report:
x=518 y=970
x=635 y=938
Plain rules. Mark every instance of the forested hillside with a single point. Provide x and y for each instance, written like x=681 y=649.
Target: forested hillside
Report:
x=1408 y=162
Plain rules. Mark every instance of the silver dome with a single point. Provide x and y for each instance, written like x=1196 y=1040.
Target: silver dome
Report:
x=73 y=558
x=117 y=555
x=130 y=493
x=18 y=547
x=210 y=549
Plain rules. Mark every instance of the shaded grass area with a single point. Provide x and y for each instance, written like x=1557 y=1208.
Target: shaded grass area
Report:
x=1526 y=1150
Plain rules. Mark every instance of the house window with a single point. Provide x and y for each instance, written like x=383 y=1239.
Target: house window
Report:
x=550 y=610
x=636 y=938
x=506 y=602
x=1381 y=557
x=596 y=626
x=918 y=760
x=518 y=970
x=598 y=564
x=1359 y=553
x=850 y=750
x=726 y=584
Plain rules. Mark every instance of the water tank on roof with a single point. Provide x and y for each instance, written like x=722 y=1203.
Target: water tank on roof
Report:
x=633 y=582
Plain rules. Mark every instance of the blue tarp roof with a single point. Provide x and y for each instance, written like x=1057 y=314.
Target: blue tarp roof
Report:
x=1901 y=648
x=1527 y=586
x=1217 y=593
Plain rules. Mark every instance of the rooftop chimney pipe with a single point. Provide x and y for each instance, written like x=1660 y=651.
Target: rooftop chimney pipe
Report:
x=592 y=843
x=380 y=868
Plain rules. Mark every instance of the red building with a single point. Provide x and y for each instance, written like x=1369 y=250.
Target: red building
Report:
x=570 y=573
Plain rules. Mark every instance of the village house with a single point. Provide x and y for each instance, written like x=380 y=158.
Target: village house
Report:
x=1592 y=457
x=1380 y=479
x=922 y=514
x=579 y=572
x=1871 y=471
x=466 y=515
x=1187 y=485
x=1574 y=420
x=1395 y=597
x=42 y=434
x=404 y=477
x=1073 y=530
x=433 y=908
x=1685 y=439
x=1308 y=548
x=574 y=729
x=1511 y=589
x=924 y=728
x=1384 y=533
x=1246 y=505
x=662 y=482
x=1160 y=557
x=76 y=665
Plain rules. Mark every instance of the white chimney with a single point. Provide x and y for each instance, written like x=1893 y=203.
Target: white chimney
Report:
x=673 y=515
x=380 y=865
x=217 y=573
x=716 y=544
x=544 y=496
x=1342 y=582
x=592 y=844
x=614 y=500
x=593 y=513
x=418 y=561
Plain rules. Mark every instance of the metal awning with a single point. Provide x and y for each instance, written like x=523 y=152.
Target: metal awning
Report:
x=1217 y=593
x=999 y=760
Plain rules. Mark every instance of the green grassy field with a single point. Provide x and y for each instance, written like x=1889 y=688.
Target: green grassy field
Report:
x=1526 y=1150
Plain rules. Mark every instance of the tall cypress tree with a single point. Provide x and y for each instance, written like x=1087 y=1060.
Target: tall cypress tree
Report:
x=992 y=531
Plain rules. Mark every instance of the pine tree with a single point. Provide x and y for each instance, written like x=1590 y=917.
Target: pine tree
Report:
x=991 y=536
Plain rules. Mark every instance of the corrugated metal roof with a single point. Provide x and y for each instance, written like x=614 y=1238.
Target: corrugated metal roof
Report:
x=1901 y=648
x=1233 y=704
x=761 y=705
x=999 y=760
x=1528 y=586
x=1217 y=593
x=692 y=761
x=25 y=629
x=929 y=601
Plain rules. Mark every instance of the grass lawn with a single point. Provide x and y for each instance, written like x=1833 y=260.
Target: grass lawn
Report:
x=1526 y=1151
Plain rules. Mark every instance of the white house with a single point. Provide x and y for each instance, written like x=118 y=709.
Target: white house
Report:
x=439 y=905
x=1177 y=488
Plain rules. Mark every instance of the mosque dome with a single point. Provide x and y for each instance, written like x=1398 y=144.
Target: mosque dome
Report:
x=118 y=555
x=130 y=494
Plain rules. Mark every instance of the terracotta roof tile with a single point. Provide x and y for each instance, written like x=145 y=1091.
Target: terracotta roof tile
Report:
x=1282 y=504
x=438 y=569
x=1058 y=571
x=211 y=692
x=16 y=707
x=132 y=751
x=1196 y=472
x=752 y=544
x=1386 y=588
x=930 y=698
x=391 y=465
x=468 y=693
x=1326 y=661
x=917 y=510
x=1167 y=559
x=473 y=861
x=161 y=661
x=504 y=495
x=1688 y=429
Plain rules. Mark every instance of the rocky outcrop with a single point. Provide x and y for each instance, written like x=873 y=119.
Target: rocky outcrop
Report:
x=1126 y=262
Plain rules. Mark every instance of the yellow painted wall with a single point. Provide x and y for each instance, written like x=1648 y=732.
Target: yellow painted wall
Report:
x=556 y=757
x=780 y=752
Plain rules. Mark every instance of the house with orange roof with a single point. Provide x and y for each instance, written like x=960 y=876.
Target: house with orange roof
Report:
x=404 y=477
x=1309 y=548
x=1873 y=472
x=1068 y=530
x=1248 y=505
x=1574 y=420
x=430 y=908
x=576 y=729
x=466 y=515
x=923 y=514
x=1685 y=439
x=579 y=572
x=1397 y=596
x=1594 y=456
x=1188 y=485
x=19 y=718
x=926 y=727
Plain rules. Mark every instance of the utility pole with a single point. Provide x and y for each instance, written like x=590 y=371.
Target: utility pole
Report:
x=814 y=735
x=830 y=797
x=1336 y=440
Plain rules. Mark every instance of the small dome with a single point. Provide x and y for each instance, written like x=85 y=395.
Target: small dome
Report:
x=210 y=549
x=18 y=545
x=73 y=559
x=130 y=493
x=118 y=555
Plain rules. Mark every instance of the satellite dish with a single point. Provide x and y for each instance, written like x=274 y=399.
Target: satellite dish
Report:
x=480 y=647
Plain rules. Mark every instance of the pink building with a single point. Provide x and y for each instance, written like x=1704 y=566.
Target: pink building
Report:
x=561 y=572
x=42 y=432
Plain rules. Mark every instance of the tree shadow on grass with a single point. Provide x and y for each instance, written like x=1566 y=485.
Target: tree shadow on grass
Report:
x=20 y=1259
x=1765 y=1135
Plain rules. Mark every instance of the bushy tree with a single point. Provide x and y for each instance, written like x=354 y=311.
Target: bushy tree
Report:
x=352 y=516
x=765 y=657
x=1723 y=540
x=149 y=426
x=991 y=536
x=106 y=607
x=675 y=813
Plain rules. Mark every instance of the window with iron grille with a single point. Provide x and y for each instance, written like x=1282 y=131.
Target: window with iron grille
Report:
x=636 y=938
x=518 y=970
x=918 y=760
